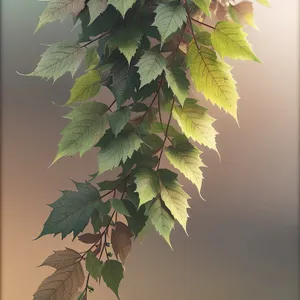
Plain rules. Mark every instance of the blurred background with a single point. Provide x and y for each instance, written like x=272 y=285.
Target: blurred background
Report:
x=243 y=242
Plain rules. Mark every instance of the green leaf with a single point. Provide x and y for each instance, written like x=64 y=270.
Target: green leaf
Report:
x=229 y=39
x=119 y=119
x=59 y=10
x=186 y=158
x=119 y=206
x=179 y=84
x=93 y=265
x=97 y=222
x=112 y=273
x=85 y=87
x=203 y=5
x=151 y=65
x=137 y=219
x=212 y=78
x=121 y=5
x=88 y=125
x=161 y=219
x=72 y=211
x=157 y=127
x=174 y=197
x=59 y=59
x=196 y=123
x=242 y=12
x=92 y=58
x=117 y=151
x=127 y=40
x=109 y=185
x=147 y=185
x=96 y=7
x=169 y=18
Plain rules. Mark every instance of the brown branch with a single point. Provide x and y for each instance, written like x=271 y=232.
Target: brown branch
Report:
x=202 y=23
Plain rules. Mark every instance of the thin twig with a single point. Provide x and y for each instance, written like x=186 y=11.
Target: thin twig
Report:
x=202 y=23
x=96 y=39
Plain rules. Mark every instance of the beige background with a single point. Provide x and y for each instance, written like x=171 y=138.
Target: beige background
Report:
x=243 y=240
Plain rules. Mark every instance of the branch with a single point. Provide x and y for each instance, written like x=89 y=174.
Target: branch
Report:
x=205 y=24
x=166 y=136
x=96 y=39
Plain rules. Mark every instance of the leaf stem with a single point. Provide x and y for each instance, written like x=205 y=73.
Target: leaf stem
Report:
x=202 y=23
x=96 y=39
x=166 y=136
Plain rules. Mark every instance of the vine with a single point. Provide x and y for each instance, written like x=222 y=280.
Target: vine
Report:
x=148 y=53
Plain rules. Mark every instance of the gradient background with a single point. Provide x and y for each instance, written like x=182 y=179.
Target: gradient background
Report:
x=243 y=240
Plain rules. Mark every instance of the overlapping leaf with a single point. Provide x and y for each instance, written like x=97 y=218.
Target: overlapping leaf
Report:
x=121 y=5
x=88 y=124
x=186 y=158
x=85 y=87
x=229 y=39
x=151 y=65
x=96 y=7
x=174 y=196
x=196 y=123
x=147 y=185
x=169 y=17
x=59 y=59
x=212 y=78
x=72 y=211
x=203 y=5
x=59 y=10
x=118 y=150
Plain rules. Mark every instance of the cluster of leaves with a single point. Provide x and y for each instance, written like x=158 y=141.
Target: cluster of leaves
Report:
x=147 y=53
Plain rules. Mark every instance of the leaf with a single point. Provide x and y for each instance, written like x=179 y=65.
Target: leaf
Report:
x=96 y=7
x=121 y=5
x=212 y=78
x=93 y=265
x=161 y=219
x=169 y=18
x=85 y=87
x=157 y=127
x=63 y=284
x=229 y=39
x=137 y=219
x=179 y=84
x=174 y=197
x=91 y=58
x=59 y=10
x=186 y=158
x=119 y=206
x=71 y=212
x=242 y=13
x=62 y=259
x=118 y=119
x=127 y=40
x=117 y=151
x=98 y=222
x=112 y=274
x=109 y=185
x=264 y=2
x=203 y=5
x=88 y=125
x=121 y=241
x=89 y=238
x=151 y=65
x=59 y=59
x=196 y=123
x=147 y=185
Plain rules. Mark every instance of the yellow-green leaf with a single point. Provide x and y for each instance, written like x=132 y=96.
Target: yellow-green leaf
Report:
x=196 y=123
x=242 y=13
x=174 y=197
x=147 y=185
x=229 y=39
x=212 y=78
x=203 y=5
x=85 y=87
x=122 y=5
x=186 y=158
x=264 y=2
